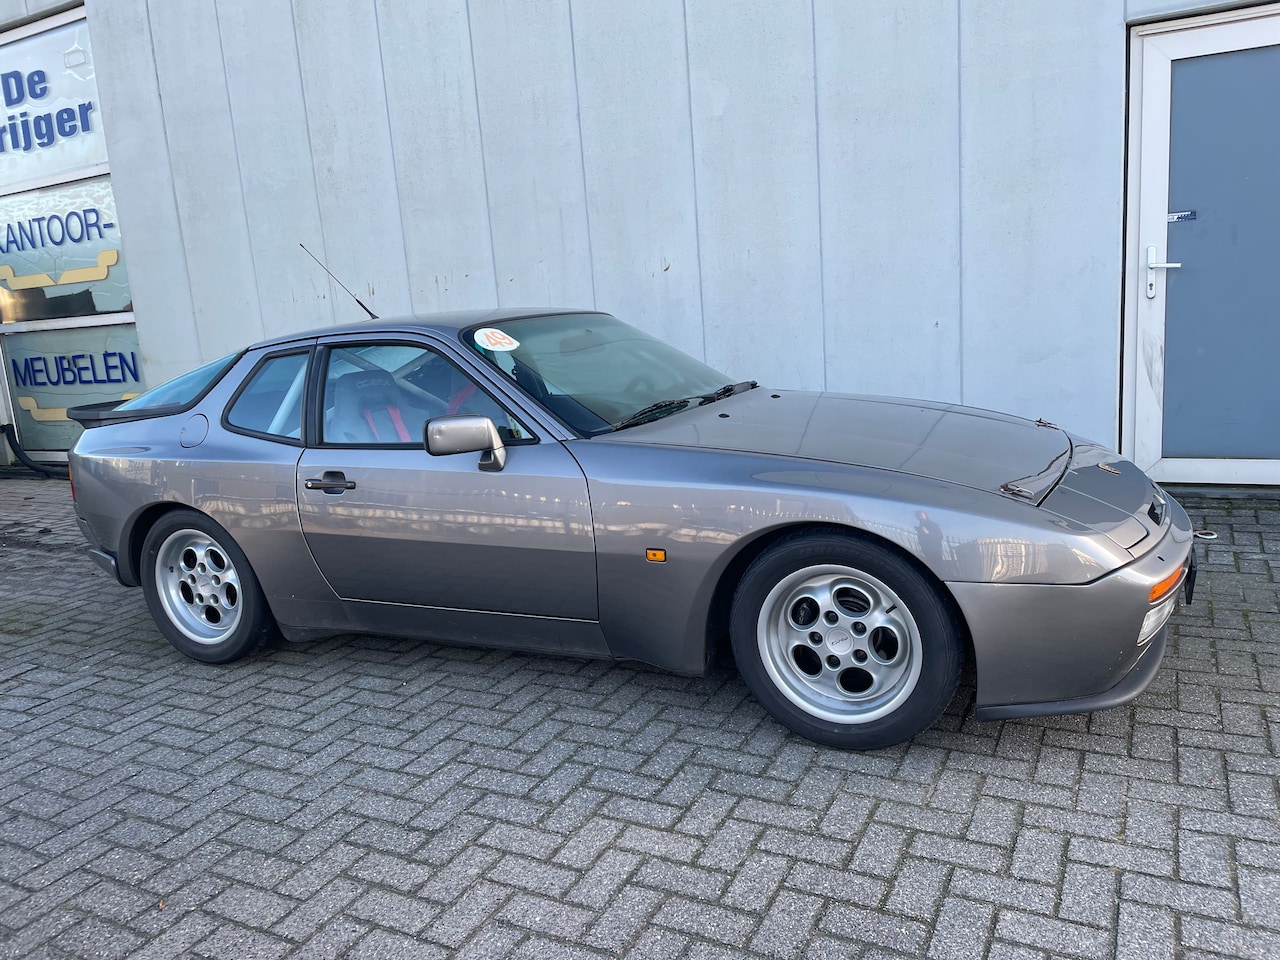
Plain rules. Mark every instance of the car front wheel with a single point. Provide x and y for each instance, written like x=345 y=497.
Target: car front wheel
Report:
x=201 y=590
x=844 y=641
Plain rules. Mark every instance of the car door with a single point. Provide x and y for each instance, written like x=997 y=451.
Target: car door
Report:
x=393 y=524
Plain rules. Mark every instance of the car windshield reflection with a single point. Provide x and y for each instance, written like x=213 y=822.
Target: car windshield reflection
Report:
x=595 y=372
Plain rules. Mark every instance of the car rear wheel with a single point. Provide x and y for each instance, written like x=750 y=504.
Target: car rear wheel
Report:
x=201 y=590
x=844 y=641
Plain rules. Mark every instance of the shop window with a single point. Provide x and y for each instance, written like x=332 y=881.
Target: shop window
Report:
x=60 y=253
x=66 y=327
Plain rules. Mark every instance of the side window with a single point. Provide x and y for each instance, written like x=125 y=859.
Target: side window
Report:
x=381 y=395
x=270 y=402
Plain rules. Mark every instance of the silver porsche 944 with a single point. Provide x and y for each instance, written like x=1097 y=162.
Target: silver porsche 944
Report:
x=558 y=481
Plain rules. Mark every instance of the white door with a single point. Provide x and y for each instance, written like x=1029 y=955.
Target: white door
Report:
x=1202 y=297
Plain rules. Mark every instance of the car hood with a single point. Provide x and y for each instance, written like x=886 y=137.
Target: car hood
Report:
x=988 y=451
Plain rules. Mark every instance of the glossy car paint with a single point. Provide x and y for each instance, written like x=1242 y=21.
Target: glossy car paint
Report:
x=436 y=531
x=1047 y=556
x=973 y=448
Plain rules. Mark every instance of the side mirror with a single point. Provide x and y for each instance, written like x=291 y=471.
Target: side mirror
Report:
x=466 y=433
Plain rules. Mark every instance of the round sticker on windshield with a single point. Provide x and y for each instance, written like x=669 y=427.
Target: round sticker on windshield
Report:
x=491 y=338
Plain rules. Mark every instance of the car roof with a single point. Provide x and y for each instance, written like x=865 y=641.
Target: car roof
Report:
x=447 y=323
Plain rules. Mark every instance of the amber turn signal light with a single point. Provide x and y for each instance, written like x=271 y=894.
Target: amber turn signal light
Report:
x=655 y=556
x=1167 y=585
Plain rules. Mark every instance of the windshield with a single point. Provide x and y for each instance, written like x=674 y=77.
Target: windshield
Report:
x=183 y=389
x=593 y=371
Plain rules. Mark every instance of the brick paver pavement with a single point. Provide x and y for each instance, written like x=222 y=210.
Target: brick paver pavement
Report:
x=380 y=798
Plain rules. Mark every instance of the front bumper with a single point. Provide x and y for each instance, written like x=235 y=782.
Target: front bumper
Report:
x=1043 y=649
x=1130 y=686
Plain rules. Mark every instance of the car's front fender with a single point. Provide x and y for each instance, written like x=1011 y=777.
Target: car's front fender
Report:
x=702 y=508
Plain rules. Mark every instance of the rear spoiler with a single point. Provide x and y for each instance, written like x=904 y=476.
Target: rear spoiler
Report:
x=100 y=414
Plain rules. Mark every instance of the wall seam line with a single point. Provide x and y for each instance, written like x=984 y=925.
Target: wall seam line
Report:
x=960 y=198
x=235 y=147
x=173 y=187
x=693 y=167
x=582 y=155
x=311 y=152
x=817 y=162
x=484 y=165
x=391 y=140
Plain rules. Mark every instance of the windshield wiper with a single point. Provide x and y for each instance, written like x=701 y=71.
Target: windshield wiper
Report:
x=675 y=405
x=650 y=412
x=728 y=390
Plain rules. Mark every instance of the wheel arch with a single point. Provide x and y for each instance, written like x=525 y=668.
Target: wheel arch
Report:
x=135 y=535
x=720 y=605
x=198 y=584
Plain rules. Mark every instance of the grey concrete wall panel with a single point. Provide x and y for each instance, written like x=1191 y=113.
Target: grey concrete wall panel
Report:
x=755 y=149
x=439 y=161
x=888 y=128
x=872 y=197
x=1141 y=11
x=260 y=55
x=206 y=175
x=340 y=59
x=1042 y=167
x=532 y=153
x=1226 y=295
x=637 y=145
x=13 y=12
x=142 y=180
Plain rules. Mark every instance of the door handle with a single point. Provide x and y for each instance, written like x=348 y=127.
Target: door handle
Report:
x=333 y=481
x=1152 y=267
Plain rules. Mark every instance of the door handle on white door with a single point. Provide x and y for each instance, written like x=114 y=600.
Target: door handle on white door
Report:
x=1152 y=267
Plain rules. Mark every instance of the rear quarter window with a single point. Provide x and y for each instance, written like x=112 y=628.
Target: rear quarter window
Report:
x=181 y=390
x=269 y=404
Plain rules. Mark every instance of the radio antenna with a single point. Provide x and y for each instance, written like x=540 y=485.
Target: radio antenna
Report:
x=372 y=315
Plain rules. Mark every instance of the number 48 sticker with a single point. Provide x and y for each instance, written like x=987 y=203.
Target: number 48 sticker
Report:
x=491 y=338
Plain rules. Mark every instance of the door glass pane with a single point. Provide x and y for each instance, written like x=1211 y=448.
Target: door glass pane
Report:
x=1222 y=315
x=381 y=395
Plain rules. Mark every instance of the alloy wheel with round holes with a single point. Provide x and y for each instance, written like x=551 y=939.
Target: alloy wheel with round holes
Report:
x=200 y=589
x=844 y=641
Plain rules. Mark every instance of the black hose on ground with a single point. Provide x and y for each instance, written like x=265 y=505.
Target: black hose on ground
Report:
x=56 y=471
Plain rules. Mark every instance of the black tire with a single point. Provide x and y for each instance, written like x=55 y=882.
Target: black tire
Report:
x=844 y=642
x=201 y=591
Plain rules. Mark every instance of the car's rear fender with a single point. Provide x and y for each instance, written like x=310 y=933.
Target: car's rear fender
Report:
x=133 y=535
x=245 y=484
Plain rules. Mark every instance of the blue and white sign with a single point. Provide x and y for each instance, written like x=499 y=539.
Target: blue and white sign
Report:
x=50 y=122
x=51 y=370
x=60 y=253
